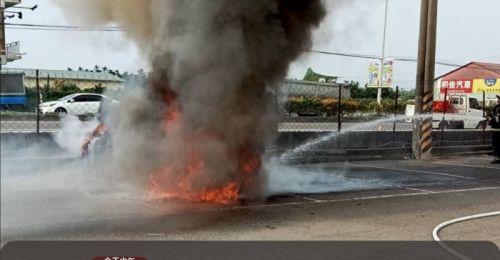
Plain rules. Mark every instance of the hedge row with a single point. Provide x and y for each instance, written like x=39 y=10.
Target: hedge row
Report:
x=315 y=106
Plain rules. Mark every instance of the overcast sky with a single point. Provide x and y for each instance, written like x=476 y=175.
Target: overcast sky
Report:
x=469 y=30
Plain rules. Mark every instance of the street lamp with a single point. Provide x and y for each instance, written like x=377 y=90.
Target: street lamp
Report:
x=19 y=14
x=24 y=7
x=381 y=71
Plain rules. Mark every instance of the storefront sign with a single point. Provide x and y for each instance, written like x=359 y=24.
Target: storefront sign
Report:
x=489 y=86
x=457 y=86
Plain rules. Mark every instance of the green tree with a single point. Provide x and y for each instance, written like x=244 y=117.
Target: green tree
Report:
x=358 y=92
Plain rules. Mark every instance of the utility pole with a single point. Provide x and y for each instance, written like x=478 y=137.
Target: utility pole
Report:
x=381 y=71
x=422 y=136
x=2 y=33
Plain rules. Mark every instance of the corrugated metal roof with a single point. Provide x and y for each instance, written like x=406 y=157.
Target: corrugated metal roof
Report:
x=490 y=66
x=474 y=70
x=65 y=74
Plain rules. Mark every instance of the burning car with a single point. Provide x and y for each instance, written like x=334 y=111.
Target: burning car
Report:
x=198 y=129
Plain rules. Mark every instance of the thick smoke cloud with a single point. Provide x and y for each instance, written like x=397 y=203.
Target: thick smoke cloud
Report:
x=214 y=66
x=135 y=15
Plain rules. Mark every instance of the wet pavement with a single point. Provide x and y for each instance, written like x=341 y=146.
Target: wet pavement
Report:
x=358 y=200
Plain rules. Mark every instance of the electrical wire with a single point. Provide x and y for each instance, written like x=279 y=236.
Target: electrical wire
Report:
x=63 y=29
x=367 y=56
x=67 y=27
x=50 y=27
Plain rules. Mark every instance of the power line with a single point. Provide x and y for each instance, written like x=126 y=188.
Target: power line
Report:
x=49 y=27
x=59 y=27
x=63 y=30
x=367 y=56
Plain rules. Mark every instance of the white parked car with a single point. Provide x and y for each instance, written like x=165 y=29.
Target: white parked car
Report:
x=74 y=104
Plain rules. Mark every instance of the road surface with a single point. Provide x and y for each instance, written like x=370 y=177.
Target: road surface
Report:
x=362 y=200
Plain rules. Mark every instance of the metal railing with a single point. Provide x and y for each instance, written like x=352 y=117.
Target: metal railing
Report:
x=303 y=107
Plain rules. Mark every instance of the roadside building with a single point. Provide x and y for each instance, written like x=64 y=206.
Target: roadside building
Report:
x=291 y=88
x=314 y=85
x=472 y=79
x=311 y=75
x=56 y=78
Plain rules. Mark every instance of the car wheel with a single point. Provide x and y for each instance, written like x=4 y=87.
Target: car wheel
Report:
x=61 y=110
x=482 y=124
x=444 y=125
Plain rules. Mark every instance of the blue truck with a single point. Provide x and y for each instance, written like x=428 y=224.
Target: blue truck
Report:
x=12 y=91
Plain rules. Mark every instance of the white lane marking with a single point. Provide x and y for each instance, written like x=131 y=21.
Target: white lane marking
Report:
x=304 y=197
x=467 y=165
x=276 y=205
x=414 y=194
x=310 y=199
x=409 y=170
x=421 y=190
x=154 y=235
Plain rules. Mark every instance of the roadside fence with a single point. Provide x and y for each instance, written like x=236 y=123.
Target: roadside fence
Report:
x=303 y=107
x=33 y=101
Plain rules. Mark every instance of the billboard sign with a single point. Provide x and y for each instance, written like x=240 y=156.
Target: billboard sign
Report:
x=387 y=74
x=469 y=86
x=489 y=86
x=457 y=86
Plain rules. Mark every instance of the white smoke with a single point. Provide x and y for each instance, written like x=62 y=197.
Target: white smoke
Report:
x=284 y=179
x=72 y=134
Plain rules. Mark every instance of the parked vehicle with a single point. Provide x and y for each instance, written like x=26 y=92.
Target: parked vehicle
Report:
x=12 y=91
x=490 y=103
x=74 y=104
x=461 y=111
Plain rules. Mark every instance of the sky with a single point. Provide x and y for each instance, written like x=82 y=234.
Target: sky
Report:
x=468 y=30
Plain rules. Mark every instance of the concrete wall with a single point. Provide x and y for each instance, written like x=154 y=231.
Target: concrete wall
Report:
x=357 y=145
x=386 y=139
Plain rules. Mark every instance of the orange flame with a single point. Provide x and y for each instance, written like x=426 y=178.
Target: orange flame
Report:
x=178 y=182
x=168 y=184
x=183 y=189
x=172 y=116
x=181 y=182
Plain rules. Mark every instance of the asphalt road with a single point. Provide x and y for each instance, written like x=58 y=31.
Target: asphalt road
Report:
x=363 y=200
